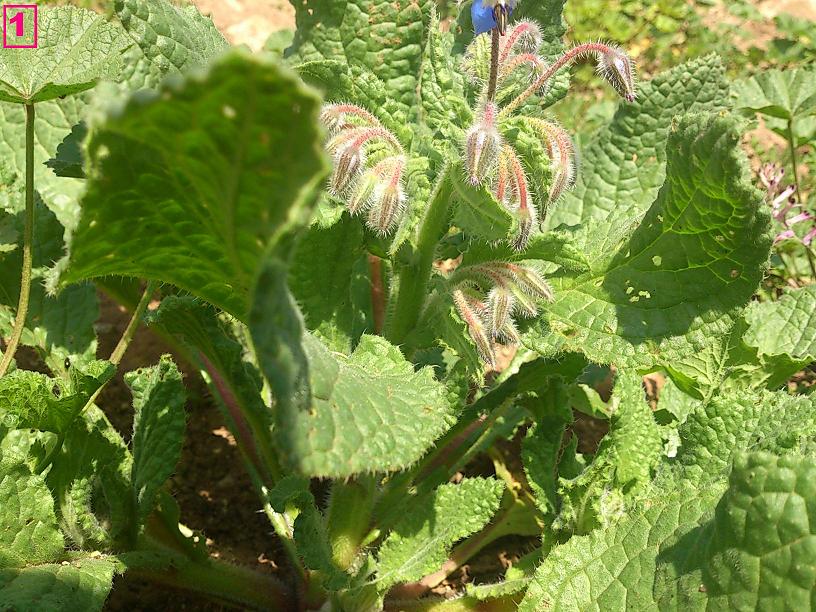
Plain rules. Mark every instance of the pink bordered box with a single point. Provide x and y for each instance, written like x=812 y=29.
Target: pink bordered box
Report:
x=20 y=26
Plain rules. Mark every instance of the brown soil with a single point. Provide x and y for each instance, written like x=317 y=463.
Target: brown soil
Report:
x=210 y=484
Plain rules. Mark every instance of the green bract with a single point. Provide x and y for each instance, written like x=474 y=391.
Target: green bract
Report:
x=342 y=239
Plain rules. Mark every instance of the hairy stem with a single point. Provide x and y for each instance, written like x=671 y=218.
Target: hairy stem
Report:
x=794 y=167
x=494 y=65
x=414 y=276
x=28 y=245
x=377 y=293
x=561 y=62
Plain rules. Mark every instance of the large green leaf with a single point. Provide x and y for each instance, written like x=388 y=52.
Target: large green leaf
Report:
x=420 y=541
x=638 y=562
x=192 y=185
x=758 y=551
x=385 y=36
x=783 y=94
x=168 y=39
x=624 y=165
x=680 y=279
x=338 y=415
x=158 y=429
x=76 y=48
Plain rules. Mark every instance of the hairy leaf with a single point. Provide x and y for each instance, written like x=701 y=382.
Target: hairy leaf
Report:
x=80 y=584
x=681 y=278
x=338 y=415
x=169 y=39
x=420 y=542
x=158 y=429
x=386 y=37
x=203 y=177
x=28 y=527
x=76 y=48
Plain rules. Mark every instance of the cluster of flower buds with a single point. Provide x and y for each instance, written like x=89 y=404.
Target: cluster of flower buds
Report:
x=489 y=295
x=369 y=165
x=488 y=158
x=784 y=206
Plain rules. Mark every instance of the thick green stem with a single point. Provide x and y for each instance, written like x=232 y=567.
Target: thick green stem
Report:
x=414 y=276
x=28 y=245
x=224 y=582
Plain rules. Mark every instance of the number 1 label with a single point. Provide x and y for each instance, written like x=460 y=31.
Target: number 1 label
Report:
x=20 y=27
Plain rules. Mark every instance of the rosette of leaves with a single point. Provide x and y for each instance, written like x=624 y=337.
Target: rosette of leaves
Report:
x=303 y=263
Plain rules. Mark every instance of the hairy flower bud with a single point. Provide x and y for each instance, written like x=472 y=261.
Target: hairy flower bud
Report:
x=473 y=313
x=500 y=303
x=335 y=117
x=387 y=201
x=482 y=145
x=348 y=163
x=515 y=195
x=524 y=37
x=616 y=67
x=561 y=152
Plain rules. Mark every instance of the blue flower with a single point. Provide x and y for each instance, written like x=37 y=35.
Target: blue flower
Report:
x=483 y=13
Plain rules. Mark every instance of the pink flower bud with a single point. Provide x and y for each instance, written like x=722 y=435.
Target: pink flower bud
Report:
x=334 y=117
x=524 y=37
x=482 y=145
x=348 y=162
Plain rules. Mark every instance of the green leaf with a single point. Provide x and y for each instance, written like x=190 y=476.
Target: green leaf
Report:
x=30 y=400
x=540 y=451
x=338 y=415
x=323 y=276
x=90 y=481
x=624 y=165
x=68 y=159
x=158 y=429
x=639 y=562
x=170 y=39
x=60 y=326
x=76 y=49
x=387 y=37
x=784 y=94
x=192 y=185
x=478 y=213
x=28 y=527
x=679 y=281
x=53 y=121
x=758 y=552
x=421 y=540
x=784 y=327
x=80 y=584
x=220 y=358
x=622 y=467
x=715 y=432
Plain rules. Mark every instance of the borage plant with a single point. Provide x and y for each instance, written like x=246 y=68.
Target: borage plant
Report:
x=343 y=270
